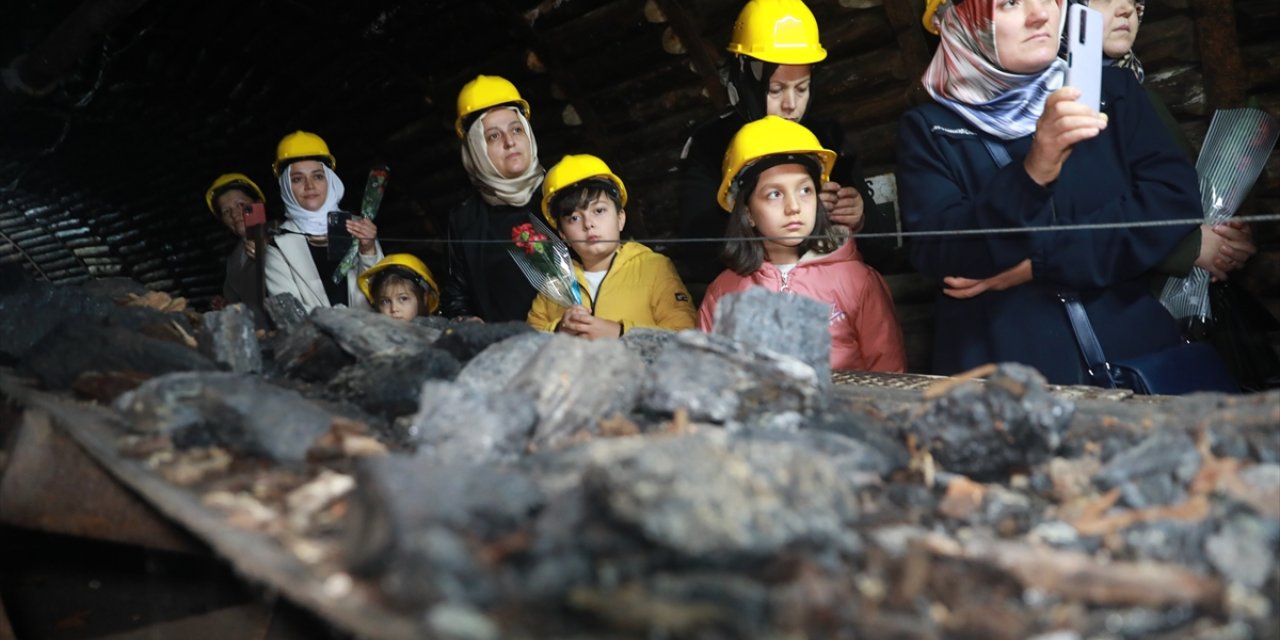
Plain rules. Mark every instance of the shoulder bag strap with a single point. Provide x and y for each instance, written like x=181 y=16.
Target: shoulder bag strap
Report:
x=1095 y=362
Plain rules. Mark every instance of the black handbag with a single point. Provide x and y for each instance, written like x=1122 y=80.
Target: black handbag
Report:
x=1184 y=368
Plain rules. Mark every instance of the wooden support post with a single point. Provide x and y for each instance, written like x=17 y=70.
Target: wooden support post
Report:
x=704 y=61
x=1219 y=44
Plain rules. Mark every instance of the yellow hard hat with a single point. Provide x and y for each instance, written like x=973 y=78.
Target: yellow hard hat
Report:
x=768 y=136
x=777 y=31
x=485 y=92
x=571 y=170
x=930 y=10
x=408 y=266
x=227 y=180
x=301 y=144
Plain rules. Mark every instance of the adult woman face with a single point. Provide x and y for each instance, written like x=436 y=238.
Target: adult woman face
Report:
x=788 y=95
x=309 y=183
x=506 y=142
x=230 y=207
x=1026 y=33
x=1121 y=28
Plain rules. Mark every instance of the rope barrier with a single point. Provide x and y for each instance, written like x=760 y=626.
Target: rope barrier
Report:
x=1095 y=226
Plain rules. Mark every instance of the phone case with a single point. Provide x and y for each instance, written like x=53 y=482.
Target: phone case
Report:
x=339 y=237
x=1084 y=54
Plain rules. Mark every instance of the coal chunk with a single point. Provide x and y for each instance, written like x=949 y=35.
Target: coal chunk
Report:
x=717 y=380
x=494 y=368
x=230 y=341
x=1154 y=472
x=647 y=343
x=365 y=335
x=415 y=525
x=783 y=322
x=238 y=412
x=711 y=494
x=77 y=346
x=575 y=383
x=286 y=311
x=460 y=423
x=985 y=430
x=465 y=340
x=391 y=386
x=307 y=353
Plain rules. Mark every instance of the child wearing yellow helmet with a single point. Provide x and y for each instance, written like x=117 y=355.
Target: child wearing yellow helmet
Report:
x=401 y=286
x=227 y=199
x=780 y=238
x=775 y=45
x=625 y=284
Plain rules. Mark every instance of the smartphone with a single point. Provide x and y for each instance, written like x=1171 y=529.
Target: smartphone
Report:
x=255 y=214
x=1084 y=54
x=339 y=237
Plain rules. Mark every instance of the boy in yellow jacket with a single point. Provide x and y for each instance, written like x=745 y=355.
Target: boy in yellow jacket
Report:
x=624 y=284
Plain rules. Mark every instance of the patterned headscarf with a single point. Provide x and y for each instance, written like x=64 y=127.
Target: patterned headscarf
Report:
x=966 y=75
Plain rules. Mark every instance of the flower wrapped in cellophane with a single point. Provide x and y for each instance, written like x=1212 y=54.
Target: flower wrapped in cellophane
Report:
x=1235 y=151
x=544 y=259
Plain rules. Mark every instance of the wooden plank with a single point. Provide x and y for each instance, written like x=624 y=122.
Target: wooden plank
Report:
x=700 y=53
x=1224 y=72
x=50 y=485
x=329 y=593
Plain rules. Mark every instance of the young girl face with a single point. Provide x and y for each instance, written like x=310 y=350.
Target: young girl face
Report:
x=789 y=91
x=1026 y=34
x=593 y=231
x=398 y=300
x=784 y=207
x=309 y=183
x=506 y=142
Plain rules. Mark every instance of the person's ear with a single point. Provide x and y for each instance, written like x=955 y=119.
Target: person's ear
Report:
x=622 y=219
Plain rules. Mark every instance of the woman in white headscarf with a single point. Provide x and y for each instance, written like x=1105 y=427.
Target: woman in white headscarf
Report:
x=298 y=258
x=500 y=155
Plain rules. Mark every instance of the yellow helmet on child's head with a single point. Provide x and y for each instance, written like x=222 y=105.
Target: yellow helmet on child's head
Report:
x=768 y=136
x=571 y=170
x=485 y=92
x=299 y=145
x=930 y=12
x=228 y=181
x=407 y=266
x=777 y=31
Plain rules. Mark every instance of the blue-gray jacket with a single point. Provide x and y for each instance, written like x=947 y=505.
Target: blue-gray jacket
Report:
x=1132 y=172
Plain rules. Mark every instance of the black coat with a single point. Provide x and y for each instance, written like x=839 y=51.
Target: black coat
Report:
x=1132 y=172
x=483 y=280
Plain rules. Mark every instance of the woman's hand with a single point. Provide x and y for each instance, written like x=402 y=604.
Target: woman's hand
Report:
x=844 y=205
x=364 y=230
x=963 y=288
x=1064 y=123
x=578 y=321
x=1225 y=248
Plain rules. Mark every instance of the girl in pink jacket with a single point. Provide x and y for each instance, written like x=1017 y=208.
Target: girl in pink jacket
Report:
x=780 y=239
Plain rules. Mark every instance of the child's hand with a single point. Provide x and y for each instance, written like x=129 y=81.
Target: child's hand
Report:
x=578 y=321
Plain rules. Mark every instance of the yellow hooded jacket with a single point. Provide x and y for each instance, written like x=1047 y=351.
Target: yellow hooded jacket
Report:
x=641 y=289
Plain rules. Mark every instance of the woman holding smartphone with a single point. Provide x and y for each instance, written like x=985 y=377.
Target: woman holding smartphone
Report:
x=1005 y=145
x=298 y=257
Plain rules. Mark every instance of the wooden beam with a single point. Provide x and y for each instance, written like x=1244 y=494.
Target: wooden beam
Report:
x=559 y=71
x=700 y=53
x=1219 y=45
x=39 y=70
x=916 y=54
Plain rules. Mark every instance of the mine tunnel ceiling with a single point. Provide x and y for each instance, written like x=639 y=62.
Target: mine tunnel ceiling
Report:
x=105 y=175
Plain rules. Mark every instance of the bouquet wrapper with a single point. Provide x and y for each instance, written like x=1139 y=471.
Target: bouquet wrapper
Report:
x=545 y=261
x=1235 y=151
x=369 y=205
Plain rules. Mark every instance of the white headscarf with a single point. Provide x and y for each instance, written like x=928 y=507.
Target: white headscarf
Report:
x=314 y=223
x=492 y=185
